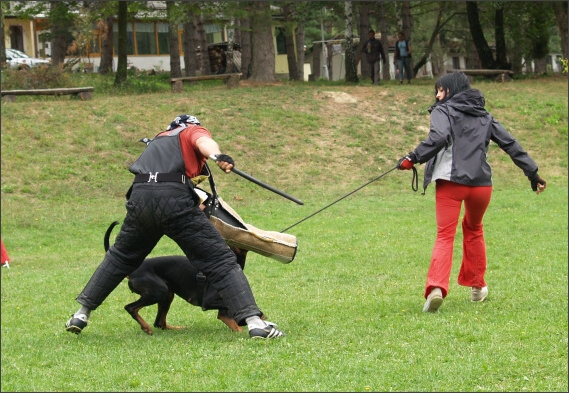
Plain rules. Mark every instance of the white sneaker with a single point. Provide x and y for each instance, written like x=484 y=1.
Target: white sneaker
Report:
x=434 y=300
x=478 y=294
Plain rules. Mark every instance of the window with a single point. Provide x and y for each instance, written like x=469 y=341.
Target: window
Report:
x=213 y=33
x=281 y=41
x=163 y=38
x=456 y=63
x=145 y=38
x=129 y=38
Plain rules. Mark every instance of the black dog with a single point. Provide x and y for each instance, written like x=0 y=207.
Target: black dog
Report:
x=158 y=279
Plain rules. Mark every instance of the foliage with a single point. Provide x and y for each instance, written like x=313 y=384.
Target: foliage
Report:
x=42 y=77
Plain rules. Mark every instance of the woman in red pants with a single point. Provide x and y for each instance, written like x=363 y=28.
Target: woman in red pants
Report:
x=456 y=155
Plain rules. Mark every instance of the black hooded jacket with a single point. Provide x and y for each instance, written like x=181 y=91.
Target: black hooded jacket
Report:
x=457 y=145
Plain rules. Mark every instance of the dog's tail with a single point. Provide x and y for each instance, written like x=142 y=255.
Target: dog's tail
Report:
x=108 y=234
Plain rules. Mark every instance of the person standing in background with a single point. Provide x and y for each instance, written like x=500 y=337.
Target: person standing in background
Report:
x=403 y=57
x=374 y=52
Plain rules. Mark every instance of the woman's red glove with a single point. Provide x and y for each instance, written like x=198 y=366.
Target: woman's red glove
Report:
x=405 y=163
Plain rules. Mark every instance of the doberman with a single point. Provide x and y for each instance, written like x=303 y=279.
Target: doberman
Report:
x=158 y=279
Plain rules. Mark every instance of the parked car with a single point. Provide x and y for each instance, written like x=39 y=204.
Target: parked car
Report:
x=18 y=59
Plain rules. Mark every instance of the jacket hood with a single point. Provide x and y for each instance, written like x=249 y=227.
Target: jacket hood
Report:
x=470 y=101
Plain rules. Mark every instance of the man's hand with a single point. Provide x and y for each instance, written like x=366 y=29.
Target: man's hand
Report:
x=223 y=161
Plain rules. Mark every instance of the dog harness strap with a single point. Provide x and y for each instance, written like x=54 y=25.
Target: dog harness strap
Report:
x=160 y=177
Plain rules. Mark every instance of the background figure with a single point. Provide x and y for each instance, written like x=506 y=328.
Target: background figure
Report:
x=456 y=152
x=5 y=258
x=374 y=51
x=403 y=57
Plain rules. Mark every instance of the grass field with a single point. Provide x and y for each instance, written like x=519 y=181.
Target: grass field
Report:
x=351 y=300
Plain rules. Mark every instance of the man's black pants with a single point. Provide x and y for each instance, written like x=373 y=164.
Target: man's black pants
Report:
x=171 y=209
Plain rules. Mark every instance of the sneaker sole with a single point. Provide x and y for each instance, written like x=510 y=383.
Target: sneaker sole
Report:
x=433 y=305
x=274 y=333
x=73 y=329
x=479 y=300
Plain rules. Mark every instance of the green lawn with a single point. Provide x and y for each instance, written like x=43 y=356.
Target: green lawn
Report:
x=351 y=301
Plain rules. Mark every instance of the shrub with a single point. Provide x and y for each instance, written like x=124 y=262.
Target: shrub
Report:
x=36 y=78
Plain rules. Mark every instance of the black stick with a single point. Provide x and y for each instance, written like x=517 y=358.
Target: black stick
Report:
x=259 y=182
x=264 y=185
x=339 y=199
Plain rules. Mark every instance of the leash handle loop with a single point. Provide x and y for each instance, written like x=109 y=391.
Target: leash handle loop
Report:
x=415 y=180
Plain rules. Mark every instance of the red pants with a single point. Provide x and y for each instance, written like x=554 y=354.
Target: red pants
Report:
x=5 y=257
x=449 y=198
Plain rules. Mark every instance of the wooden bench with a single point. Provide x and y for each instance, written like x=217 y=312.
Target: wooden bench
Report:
x=84 y=93
x=501 y=75
x=231 y=80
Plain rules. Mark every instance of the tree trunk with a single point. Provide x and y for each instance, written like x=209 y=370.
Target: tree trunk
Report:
x=245 y=32
x=230 y=49
x=316 y=60
x=202 y=43
x=434 y=38
x=501 y=55
x=406 y=19
x=189 y=43
x=300 y=50
x=175 y=66
x=121 y=75
x=386 y=75
x=289 y=43
x=106 y=64
x=363 y=29
x=350 y=59
x=560 y=8
x=2 y=42
x=60 y=21
x=263 y=49
x=484 y=51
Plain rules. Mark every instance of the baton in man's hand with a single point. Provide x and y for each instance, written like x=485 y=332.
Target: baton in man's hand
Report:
x=260 y=183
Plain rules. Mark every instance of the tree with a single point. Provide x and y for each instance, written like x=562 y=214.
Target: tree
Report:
x=105 y=11
x=2 y=42
x=121 y=75
x=263 y=49
x=364 y=10
x=560 y=9
x=60 y=20
x=106 y=29
x=190 y=43
x=482 y=47
x=244 y=32
x=439 y=25
x=172 y=16
x=289 y=26
x=384 y=40
x=350 y=59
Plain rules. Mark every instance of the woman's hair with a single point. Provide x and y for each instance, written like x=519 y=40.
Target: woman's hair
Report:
x=452 y=84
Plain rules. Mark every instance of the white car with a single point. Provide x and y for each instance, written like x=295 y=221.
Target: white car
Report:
x=18 y=59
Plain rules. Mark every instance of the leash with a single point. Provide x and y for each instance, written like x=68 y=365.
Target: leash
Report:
x=415 y=180
x=339 y=199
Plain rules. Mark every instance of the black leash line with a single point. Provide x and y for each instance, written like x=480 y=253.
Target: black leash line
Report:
x=339 y=199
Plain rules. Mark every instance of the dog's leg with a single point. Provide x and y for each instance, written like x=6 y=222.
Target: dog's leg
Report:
x=133 y=309
x=163 y=308
x=225 y=318
x=152 y=290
